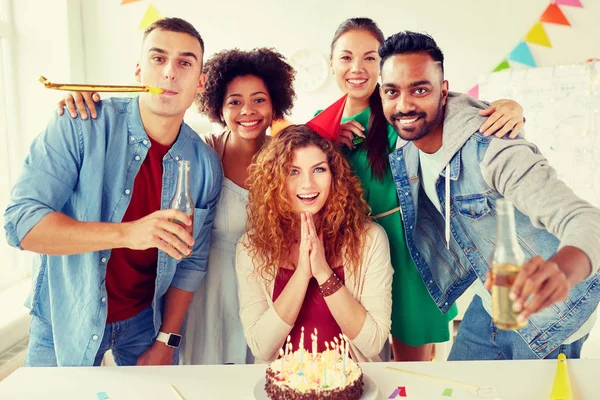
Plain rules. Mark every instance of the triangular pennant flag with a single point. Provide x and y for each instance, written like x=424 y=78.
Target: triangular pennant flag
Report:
x=327 y=122
x=447 y=392
x=572 y=3
x=152 y=15
x=474 y=92
x=522 y=54
x=503 y=65
x=128 y=1
x=537 y=35
x=401 y=391
x=394 y=394
x=554 y=15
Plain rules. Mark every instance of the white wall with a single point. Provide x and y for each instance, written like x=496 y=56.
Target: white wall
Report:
x=475 y=35
x=47 y=43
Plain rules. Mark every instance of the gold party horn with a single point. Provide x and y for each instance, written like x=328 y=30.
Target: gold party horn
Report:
x=98 y=88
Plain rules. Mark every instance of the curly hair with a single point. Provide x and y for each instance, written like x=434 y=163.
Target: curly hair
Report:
x=271 y=217
x=267 y=64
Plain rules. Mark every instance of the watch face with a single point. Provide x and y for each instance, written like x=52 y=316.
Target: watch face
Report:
x=174 y=340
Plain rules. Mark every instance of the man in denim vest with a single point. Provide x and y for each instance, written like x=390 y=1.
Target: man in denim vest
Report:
x=114 y=271
x=449 y=178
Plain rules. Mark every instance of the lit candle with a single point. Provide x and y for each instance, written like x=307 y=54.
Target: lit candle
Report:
x=324 y=370
x=333 y=353
x=301 y=344
x=337 y=348
x=281 y=355
x=346 y=353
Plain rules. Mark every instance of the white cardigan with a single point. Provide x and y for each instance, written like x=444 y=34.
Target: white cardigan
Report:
x=266 y=332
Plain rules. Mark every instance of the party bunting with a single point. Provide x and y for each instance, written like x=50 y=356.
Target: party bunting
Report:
x=394 y=394
x=571 y=3
x=128 y=1
x=503 y=65
x=447 y=392
x=537 y=35
x=522 y=54
x=554 y=15
x=474 y=92
x=152 y=15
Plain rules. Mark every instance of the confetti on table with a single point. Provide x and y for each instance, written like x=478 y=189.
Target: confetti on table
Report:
x=102 y=395
x=447 y=392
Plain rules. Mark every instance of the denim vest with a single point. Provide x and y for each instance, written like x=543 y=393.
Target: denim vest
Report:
x=86 y=170
x=448 y=273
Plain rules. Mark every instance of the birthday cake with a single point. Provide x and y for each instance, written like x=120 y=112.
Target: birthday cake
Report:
x=304 y=375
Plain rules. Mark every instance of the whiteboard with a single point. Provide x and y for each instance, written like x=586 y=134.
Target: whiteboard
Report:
x=562 y=109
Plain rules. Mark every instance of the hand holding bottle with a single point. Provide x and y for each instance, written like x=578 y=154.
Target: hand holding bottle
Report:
x=158 y=231
x=542 y=283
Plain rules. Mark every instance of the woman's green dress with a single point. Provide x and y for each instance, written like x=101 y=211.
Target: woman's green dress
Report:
x=416 y=320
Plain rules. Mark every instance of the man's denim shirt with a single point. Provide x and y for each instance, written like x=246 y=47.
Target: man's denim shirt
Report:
x=447 y=274
x=86 y=170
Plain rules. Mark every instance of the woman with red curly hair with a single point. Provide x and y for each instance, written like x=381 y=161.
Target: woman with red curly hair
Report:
x=311 y=258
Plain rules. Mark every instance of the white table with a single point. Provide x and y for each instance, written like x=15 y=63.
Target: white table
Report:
x=515 y=380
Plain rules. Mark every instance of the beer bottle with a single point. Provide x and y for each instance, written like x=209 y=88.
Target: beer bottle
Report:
x=507 y=261
x=182 y=200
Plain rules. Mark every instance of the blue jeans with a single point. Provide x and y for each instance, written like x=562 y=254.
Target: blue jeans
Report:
x=127 y=339
x=479 y=339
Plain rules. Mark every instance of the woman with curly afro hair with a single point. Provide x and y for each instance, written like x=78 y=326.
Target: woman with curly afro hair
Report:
x=312 y=258
x=244 y=92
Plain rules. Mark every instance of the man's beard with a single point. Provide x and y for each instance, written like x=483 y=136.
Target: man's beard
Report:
x=420 y=131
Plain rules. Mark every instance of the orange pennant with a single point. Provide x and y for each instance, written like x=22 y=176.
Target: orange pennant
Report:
x=538 y=35
x=554 y=15
x=128 y=1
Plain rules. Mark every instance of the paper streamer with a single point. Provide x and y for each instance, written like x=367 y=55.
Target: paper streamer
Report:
x=151 y=15
x=538 y=35
x=571 y=3
x=522 y=54
x=102 y=395
x=447 y=392
x=554 y=15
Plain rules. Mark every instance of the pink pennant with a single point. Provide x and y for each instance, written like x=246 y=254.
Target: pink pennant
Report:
x=474 y=92
x=571 y=3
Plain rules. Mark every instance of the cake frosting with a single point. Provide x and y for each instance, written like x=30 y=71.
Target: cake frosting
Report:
x=303 y=375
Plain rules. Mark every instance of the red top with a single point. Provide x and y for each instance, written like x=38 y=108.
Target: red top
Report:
x=131 y=274
x=314 y=312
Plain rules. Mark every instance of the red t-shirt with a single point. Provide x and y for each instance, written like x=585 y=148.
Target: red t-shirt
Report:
x=131 y=274
x=314 y=312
